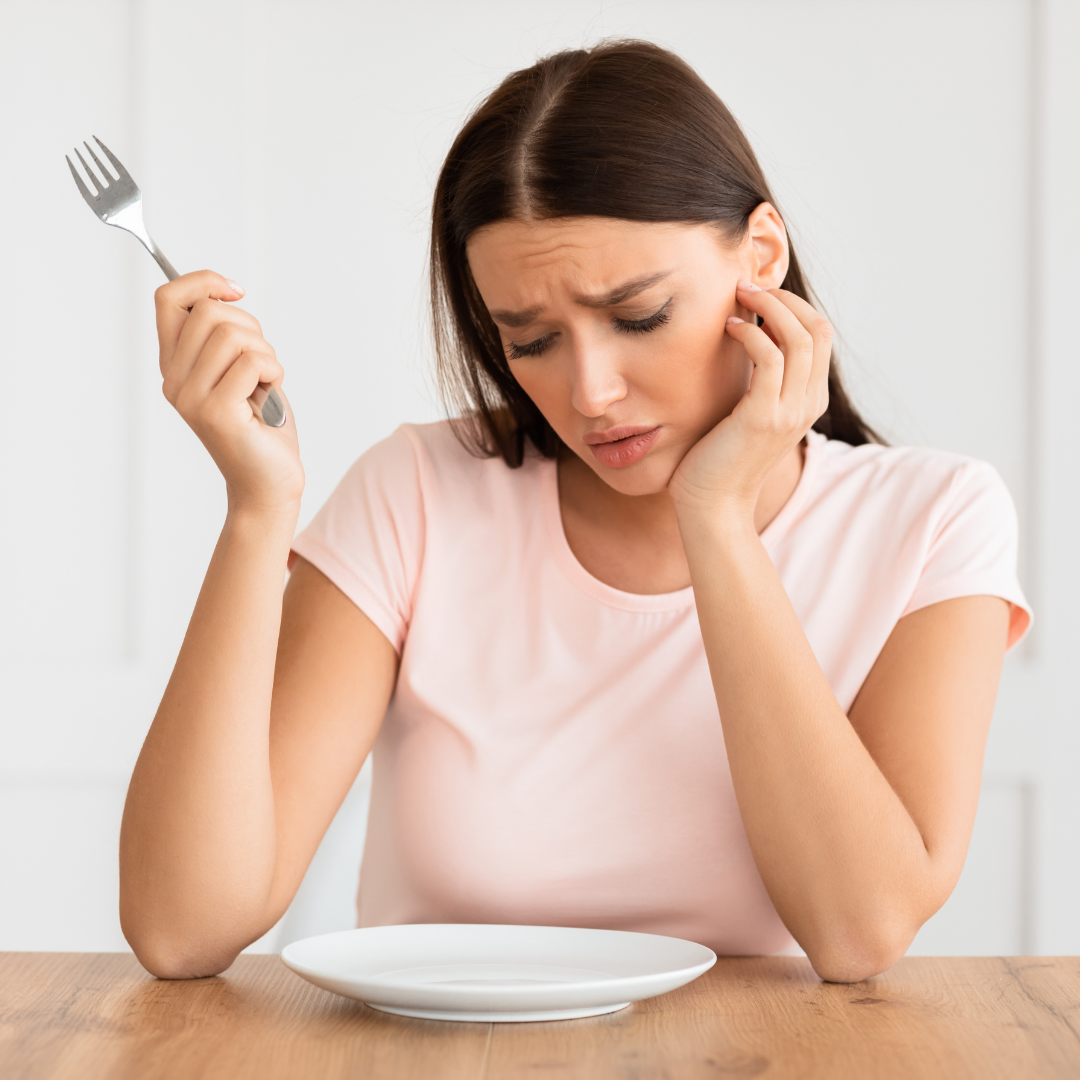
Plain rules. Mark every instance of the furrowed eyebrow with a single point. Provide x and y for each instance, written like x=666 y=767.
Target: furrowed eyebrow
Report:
x=515 y=318
x=619 y=295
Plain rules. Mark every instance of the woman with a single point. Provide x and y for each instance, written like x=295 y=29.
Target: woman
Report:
x=656 y=637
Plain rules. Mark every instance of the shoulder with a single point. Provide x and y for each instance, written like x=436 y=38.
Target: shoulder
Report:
x=902 y=482
x=435 y=466
x=873 y=461
x=919 y=525
x=918 y=510
x=442 y=446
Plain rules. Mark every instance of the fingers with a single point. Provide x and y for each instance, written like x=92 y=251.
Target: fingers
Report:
x=793 y=339
x=213 y=357
x=228 y=404
x=224 y=405
x=227 y=342
x=175 y=300
x=821 y=331
x=802 y=335
x=768 y=377
x=205 y=318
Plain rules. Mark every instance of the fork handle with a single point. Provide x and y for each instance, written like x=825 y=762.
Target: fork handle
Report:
x=159 y=258
x=266 y=402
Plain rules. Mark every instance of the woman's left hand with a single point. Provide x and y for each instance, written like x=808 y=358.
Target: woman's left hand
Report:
x=788 y=392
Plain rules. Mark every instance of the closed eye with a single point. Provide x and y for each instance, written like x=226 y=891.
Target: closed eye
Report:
x=625 y=326
x=533 y=348
x=643 y=326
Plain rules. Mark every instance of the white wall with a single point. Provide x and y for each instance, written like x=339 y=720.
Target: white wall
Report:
x=924 y=151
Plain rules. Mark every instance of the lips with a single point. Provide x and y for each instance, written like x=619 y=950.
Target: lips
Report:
x=616 y=434
x=621 y=446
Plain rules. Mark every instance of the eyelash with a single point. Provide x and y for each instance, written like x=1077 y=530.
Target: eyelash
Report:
x=643 y=326
x=534 y=348
x=624 y=326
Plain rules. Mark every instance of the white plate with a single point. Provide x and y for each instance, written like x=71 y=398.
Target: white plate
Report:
x=501 y=973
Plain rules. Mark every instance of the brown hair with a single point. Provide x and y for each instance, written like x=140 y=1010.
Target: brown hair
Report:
x=625 y=130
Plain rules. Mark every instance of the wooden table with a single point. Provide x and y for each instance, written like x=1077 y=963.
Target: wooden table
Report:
x=100 y=1015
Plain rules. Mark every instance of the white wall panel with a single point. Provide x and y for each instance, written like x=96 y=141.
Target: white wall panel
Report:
x=1051 y=734
x=58 y=852
x=990 y=911
x=64 y=341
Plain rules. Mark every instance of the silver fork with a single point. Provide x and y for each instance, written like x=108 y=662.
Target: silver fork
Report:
x=119 y=203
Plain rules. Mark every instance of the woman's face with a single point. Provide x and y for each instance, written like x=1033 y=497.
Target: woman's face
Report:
x=615 y=329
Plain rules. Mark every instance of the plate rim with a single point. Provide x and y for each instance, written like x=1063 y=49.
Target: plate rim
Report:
x=628 y=985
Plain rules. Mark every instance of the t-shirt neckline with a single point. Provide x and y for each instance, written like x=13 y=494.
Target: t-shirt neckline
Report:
x=681 y=598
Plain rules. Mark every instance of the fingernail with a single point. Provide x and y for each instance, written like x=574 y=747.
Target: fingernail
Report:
x=749 y=286
x=734 y=319
x=235 y=286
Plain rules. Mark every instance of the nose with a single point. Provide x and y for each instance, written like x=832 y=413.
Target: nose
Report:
x=597 y=383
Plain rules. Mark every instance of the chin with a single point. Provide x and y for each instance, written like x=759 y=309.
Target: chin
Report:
x=643 y=478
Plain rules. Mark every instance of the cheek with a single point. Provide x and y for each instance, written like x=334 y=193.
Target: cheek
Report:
x=545 y=383
x=703 y=370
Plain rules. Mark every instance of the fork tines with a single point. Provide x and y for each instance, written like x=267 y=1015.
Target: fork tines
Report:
x=108 y=180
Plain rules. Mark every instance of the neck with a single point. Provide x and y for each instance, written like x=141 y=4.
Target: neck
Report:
x=580 y=485
x=632 y=542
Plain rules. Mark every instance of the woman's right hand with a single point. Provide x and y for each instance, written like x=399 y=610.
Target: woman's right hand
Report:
x=213 y=356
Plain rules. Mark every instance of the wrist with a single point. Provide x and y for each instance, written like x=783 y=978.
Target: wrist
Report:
x=719 y=540
x=269 y=520
x=714 y=510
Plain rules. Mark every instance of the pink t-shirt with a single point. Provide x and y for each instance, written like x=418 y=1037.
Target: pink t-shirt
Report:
x=553 y=752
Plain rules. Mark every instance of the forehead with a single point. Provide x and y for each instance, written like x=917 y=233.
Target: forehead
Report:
x=584 y=253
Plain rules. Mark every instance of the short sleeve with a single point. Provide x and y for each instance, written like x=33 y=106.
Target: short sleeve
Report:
x=368 y=538
x=973 y=548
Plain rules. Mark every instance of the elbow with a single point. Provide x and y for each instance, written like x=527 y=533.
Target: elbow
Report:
x=169 y=959
x=176 y=941
x=853 y=957
x=168 y=964
x=171 y=955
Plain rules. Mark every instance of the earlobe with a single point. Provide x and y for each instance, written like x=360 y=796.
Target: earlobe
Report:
x=769 y=241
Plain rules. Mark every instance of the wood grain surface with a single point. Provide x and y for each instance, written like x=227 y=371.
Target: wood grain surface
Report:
x=100 y=1015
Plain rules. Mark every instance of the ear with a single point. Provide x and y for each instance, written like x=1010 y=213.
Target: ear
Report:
x=769 y=246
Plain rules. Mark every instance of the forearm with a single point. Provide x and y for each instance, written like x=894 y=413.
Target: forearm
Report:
x=198 y=839
x=841 y=857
